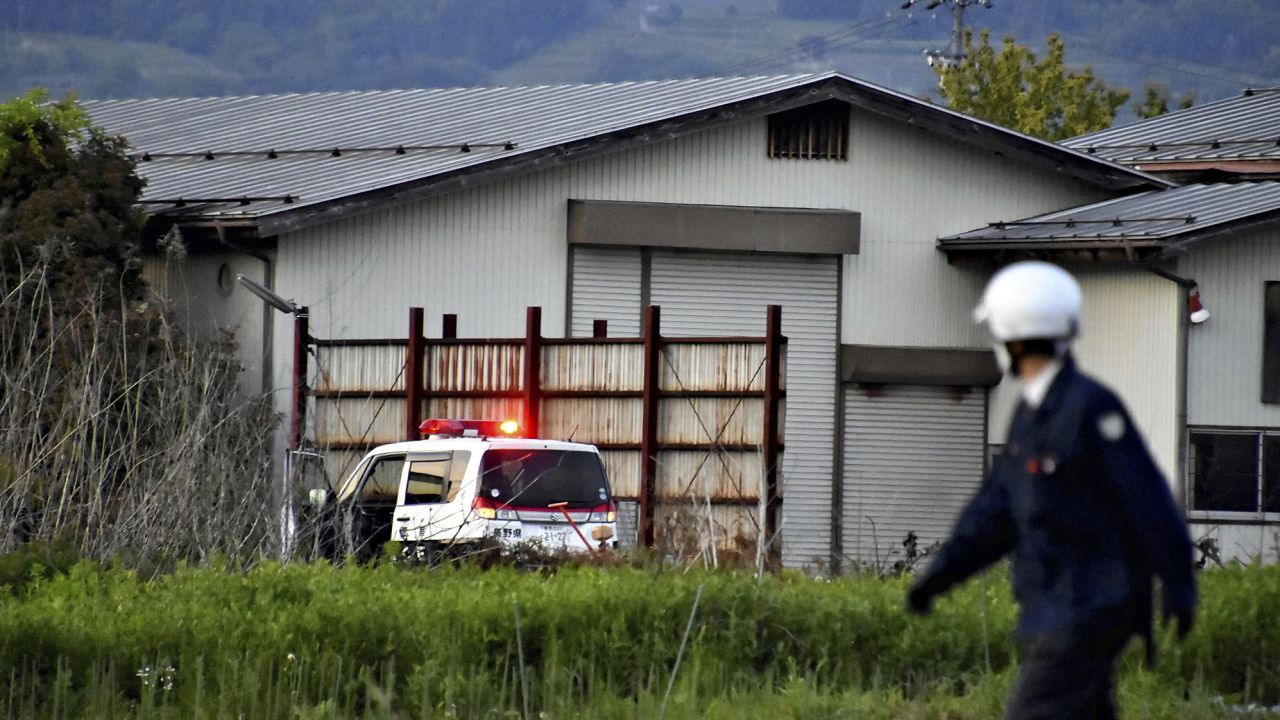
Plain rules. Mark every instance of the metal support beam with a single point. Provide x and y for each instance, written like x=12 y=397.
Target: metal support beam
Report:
x=414 y=359
x=301 y=341
x=532 y=369
x=651 y=331
x=772 y=404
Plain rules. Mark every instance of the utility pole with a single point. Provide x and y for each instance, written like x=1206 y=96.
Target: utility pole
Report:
x=954 y=54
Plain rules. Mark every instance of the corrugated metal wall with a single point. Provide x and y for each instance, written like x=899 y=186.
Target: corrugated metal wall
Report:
x=720 y=293
x=1128 y=340
x=1224 y=354
x=606 y=285
x=913 y=457
x=486 y=251
x=1242 y=542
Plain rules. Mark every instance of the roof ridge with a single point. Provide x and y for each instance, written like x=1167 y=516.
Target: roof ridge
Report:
x=1173 y=115
x=458 y=88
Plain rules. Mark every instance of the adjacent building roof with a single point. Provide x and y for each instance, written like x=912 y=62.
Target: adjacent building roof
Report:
x=280 y=162
x=1236 y=130
x=1149 y=224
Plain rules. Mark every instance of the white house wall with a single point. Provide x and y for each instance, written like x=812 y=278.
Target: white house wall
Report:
x=1224 y=354
x=211 y=313
x=913 y=187
x=1129 y=341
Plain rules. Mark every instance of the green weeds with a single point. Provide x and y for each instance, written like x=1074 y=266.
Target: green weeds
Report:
x=316 y=641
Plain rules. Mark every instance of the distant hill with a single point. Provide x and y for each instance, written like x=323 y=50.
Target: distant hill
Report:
x=139 y=48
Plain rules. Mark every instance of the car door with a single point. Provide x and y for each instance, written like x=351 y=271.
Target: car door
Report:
x=431 y=505
x=373 y=504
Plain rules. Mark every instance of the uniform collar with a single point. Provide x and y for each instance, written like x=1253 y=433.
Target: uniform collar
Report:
x=1035 y=389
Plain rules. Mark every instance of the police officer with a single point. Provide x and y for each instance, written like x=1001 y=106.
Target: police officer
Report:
x=1077 y=500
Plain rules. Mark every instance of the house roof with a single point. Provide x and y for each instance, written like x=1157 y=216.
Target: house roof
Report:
x=1150 y=224
x=1243 y=128
x=280 y=162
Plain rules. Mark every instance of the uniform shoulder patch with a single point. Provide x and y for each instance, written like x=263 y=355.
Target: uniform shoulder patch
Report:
x=1111 y=425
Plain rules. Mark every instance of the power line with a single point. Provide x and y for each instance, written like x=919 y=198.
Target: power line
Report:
x=954 y=54
x=783 y=56
x=833 y=39
x=1246 y=78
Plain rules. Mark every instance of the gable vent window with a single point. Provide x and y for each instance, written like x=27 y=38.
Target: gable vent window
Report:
x=813 y=132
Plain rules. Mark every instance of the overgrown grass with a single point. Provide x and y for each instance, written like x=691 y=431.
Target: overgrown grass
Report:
x=319 y=641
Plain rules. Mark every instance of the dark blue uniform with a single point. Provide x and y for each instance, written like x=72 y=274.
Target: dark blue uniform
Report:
x=1089 y=519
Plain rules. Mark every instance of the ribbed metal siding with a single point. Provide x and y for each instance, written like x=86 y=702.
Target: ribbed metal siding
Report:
x=722 y=294
x=1129 y=341
x=489 y=251
x=1224 y=355
x=913 y=456
x=1245 y=543
x=606 y=286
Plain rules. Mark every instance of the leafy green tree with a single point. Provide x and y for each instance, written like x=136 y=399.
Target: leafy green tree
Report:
x=1156 y=98
x=68 y=195
x=1037 y=96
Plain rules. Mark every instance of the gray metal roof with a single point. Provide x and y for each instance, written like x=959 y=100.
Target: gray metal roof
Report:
x=1244 y=128
x=215 y=154
x=1150 y=221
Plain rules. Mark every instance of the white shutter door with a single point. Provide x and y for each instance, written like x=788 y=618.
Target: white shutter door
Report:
x=606 y=286
x=913 y=457
x=726 y=294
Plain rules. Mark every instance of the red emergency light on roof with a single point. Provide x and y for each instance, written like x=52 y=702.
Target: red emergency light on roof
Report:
x=469 y=428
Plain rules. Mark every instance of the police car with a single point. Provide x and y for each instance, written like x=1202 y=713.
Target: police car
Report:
x=469 y=482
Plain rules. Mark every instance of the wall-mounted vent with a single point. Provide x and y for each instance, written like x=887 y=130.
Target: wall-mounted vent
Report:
x=813 y=132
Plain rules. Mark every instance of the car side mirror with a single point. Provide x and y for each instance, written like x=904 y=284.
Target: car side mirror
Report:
x=317 y=498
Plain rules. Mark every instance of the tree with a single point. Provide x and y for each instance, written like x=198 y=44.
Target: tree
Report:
x=1156 y=98
x=69 y=194
x=1016 y=89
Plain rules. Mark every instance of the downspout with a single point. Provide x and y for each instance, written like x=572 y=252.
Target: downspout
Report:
x=268 y=319
x=1186 y=284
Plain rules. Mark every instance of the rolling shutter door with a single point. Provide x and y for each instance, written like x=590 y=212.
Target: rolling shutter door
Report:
x=726 y=294
x=605 y=286
x=913 y=457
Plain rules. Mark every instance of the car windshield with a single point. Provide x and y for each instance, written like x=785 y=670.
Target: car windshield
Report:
x=538 y=478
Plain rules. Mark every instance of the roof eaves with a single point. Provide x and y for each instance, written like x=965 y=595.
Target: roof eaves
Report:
x=1170 y=242
x=1268 y=219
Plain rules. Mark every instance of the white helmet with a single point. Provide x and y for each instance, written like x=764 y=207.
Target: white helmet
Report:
x=1028 y=300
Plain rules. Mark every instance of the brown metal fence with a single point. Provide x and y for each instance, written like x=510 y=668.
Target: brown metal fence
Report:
x=689 y=428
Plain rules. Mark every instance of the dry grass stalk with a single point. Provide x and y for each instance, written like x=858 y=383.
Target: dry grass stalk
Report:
x=124 y=437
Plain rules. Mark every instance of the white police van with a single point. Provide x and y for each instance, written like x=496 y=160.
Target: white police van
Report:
x=475 y=481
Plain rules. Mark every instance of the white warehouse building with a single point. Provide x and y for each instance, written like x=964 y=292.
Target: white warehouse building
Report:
x=873 y=218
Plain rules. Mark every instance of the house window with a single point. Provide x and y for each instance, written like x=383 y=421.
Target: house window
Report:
x=1235 y=471
x=1271 y=344
x=813 y=132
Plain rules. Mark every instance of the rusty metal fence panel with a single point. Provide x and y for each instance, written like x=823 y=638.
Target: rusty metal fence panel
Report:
x=689 y=429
